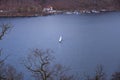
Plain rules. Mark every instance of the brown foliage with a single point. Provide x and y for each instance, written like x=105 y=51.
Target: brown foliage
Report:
x=86 y=4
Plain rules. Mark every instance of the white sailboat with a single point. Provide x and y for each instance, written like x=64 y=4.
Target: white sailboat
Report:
x=60 y=39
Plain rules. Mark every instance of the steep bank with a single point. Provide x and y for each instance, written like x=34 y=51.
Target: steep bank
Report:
x=22 y=8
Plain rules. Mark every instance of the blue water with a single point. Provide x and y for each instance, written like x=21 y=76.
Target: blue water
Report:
x=88 y=40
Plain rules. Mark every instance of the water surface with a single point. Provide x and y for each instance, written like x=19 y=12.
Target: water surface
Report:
x=88 y=39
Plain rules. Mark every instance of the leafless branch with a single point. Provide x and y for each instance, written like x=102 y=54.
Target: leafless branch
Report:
x=4 y=29
x=41 y=65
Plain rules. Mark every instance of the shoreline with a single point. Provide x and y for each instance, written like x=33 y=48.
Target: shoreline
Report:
x=8 y=15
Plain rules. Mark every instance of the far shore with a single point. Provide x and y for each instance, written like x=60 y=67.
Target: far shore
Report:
x=53 y=12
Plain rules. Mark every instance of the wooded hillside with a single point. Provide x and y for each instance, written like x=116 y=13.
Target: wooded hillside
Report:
x=62 y=4
x=30 y=7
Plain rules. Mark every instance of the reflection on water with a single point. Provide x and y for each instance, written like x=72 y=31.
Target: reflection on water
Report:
x=88 y=40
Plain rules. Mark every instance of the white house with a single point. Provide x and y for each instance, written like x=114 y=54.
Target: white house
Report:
x=47 y=9
x=1 y=11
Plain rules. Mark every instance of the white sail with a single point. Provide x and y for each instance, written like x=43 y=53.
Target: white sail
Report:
x=60 y=39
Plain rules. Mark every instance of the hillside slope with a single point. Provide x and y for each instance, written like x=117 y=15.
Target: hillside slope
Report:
x=33 y=7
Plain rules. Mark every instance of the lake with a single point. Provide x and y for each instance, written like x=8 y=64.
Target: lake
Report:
x=88 y=40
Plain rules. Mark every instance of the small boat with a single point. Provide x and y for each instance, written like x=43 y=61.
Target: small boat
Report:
x=60 y=39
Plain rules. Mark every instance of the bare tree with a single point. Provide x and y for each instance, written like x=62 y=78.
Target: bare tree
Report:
x=3 y=29
x=40 y=64
x=116 y=76
x=99 y=74
x=7 y=72
x=12 y=74
x=2 y=75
